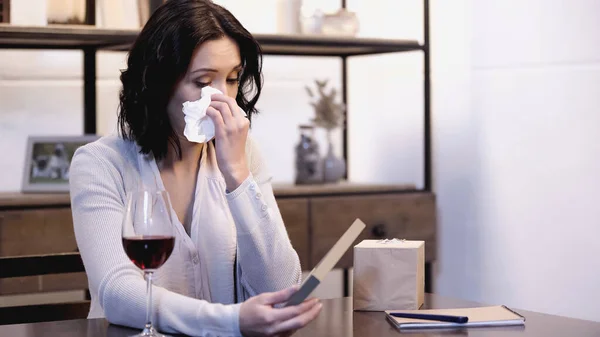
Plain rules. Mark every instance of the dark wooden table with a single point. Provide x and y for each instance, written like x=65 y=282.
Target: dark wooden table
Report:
x=337 y=319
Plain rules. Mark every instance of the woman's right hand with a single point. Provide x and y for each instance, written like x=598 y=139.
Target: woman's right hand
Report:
x=258 y=317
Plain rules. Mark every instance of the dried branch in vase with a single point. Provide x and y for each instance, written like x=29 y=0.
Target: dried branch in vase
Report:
x=328 y=114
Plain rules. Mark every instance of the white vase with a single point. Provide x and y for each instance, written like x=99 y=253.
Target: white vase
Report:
x=288 y=16
x=334 y=168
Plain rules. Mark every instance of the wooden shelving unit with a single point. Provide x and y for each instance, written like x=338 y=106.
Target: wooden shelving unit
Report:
x=90 y=39
x=408 y=212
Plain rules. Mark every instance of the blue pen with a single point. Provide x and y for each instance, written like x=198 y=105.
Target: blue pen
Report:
x=432 y=317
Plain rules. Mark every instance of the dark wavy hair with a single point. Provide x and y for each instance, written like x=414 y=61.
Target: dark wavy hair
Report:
x=159 y=58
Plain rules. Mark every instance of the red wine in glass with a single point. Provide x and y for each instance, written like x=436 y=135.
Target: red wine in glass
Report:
x=148 y=239
x=149 y=252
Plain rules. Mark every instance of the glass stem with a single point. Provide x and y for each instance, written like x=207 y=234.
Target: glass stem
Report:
x=149 y=301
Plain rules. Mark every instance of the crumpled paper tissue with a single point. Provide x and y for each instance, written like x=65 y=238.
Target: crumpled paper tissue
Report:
x=199 y=127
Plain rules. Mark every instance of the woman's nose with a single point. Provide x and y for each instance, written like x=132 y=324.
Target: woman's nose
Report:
x=221 y=86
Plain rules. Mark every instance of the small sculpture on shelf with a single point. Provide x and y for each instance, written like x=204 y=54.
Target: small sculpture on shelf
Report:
x=317 y=22
x=309 y=168
x=341 y=23
x=329 y=115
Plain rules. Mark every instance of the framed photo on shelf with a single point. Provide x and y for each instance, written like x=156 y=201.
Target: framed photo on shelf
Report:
x=48 y=160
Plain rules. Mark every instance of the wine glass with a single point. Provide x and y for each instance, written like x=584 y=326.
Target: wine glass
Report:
x=148 y=238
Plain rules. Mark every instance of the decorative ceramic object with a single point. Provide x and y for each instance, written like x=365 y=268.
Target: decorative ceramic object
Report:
x=342 y=23
x=334 y=168
x=329 y=115
x=311 y=23
x=309 y=168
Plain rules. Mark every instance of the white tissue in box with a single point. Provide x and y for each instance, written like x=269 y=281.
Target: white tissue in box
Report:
x=389 y=275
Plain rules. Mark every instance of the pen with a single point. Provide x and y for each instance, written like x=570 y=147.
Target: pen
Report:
x=432 y=317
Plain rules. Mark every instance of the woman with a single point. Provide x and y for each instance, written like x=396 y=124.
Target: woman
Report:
x=230 y=237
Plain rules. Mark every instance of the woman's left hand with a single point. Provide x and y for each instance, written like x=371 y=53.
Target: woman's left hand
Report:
x=231 y=131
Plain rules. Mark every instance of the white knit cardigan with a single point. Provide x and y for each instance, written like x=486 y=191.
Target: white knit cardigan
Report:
x=193 y=291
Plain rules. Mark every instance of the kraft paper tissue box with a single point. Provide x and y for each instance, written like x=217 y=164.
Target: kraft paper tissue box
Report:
x=389 y=275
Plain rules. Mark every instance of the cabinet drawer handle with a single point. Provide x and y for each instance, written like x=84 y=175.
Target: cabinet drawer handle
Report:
x=379 y=231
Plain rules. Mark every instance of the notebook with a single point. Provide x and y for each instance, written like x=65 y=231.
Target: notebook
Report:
x=478 y=317
x=317 y=275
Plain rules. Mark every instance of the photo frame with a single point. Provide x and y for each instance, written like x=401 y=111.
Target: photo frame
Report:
x=48 y=160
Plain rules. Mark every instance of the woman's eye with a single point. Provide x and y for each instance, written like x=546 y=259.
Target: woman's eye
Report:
x=233 y=80
x=202 y=84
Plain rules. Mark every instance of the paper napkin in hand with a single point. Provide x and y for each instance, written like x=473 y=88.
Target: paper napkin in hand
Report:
x=199 y=127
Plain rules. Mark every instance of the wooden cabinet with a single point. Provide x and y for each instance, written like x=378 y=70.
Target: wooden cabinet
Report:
x=296 y=217
x=327 y=211
x=33 y=225
x=36 y=231
x=403 y=216
x=315 y=217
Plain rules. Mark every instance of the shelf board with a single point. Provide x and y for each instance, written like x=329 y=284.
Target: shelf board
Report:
x=10 y=200
x=343 y=188
x=317 y=45
x=64 y=37
x=25 y=200
x=79 y=37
